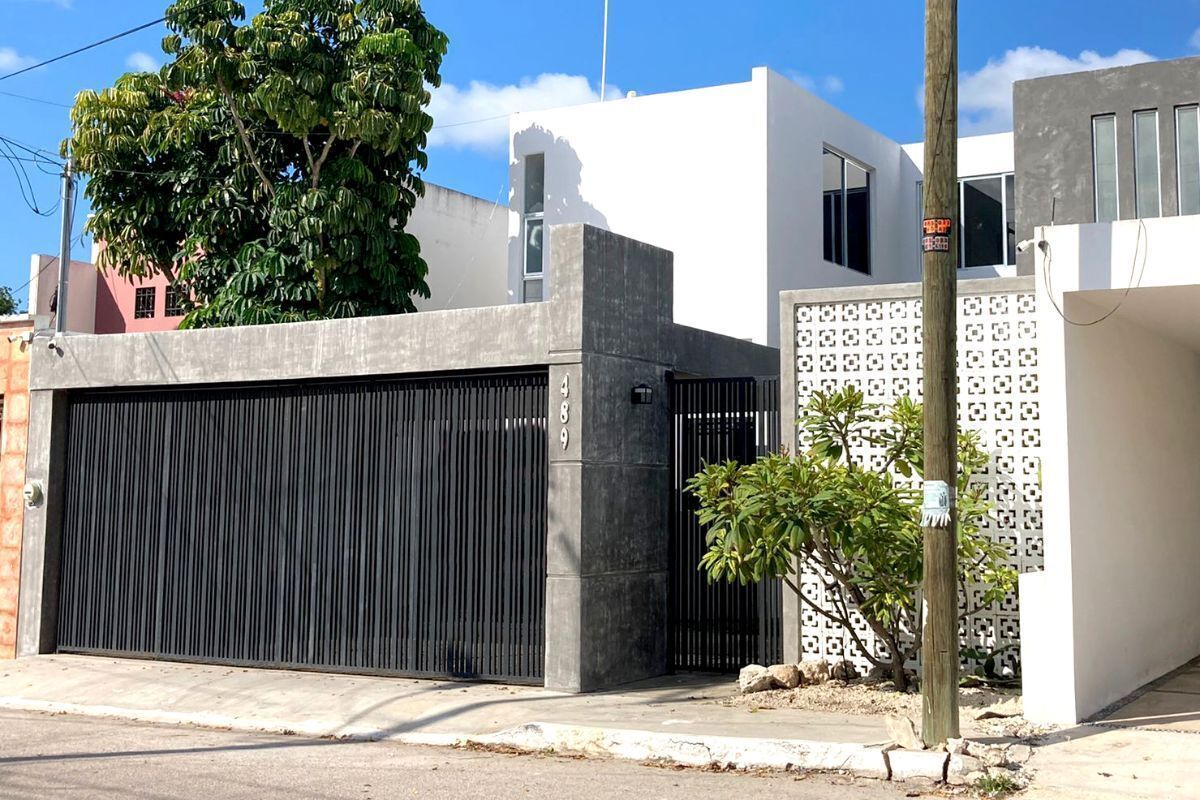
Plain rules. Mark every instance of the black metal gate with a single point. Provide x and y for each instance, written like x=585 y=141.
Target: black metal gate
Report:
x=718 y=627
x=394 y=526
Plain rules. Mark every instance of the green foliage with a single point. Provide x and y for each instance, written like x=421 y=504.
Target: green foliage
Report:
x=270 y=168
x=860 y=526
x=997 y=784
x=8 y=303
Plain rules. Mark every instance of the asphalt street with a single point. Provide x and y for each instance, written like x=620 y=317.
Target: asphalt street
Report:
x=45 y=756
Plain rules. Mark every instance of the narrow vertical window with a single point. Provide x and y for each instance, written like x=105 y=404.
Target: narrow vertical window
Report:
x=1104 y=167
x=1187 y=146
x=143 y=302
x=858 y=218
x=1010 y=219
x=534 y=229
x=833 y=201
x=846 y=212
x=1145 y=163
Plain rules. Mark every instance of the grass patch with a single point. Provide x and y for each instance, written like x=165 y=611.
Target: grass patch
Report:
x=997 y=785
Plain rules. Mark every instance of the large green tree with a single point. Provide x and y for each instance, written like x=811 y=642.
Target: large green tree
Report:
x=269 y=168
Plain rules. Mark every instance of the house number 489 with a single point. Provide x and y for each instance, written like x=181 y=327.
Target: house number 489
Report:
x=564 y=411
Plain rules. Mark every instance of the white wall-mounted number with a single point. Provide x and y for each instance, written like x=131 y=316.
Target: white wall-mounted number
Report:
x=564 y=411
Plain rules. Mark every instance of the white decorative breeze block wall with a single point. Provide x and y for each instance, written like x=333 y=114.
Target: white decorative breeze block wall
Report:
x=875 y=344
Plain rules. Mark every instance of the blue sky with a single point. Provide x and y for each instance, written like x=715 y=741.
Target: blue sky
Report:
x=863 y=56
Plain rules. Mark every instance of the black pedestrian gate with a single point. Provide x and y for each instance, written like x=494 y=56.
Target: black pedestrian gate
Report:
x=718 y=627
x=394 y=526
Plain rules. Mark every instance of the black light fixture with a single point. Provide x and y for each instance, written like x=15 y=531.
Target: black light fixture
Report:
x=642 y=395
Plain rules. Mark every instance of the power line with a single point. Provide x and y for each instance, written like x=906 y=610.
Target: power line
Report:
x=35 y=99
x=84 y=49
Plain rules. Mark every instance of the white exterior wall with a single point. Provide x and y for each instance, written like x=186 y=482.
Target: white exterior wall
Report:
x=81 y=292
x=729 y=179
x=683 y=171
x=1119 y=602
x=464 y=241
x=800 y=127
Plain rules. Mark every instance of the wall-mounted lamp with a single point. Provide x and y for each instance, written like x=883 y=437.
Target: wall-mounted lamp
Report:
x=642 y=395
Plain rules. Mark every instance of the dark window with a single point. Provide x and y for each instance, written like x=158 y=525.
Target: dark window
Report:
x=983 y=227
x=143 y=302
x=988 y=229
x=1010 y=218
x=1187 y=145
x=176 y=302
x=846 y=212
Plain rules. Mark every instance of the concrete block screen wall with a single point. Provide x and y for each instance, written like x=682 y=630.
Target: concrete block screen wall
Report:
x=871 y=338
x=607 y=328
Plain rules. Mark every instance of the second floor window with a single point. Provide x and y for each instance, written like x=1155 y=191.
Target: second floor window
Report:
x=1187 y=146
x=987 y=220
x=143 y=302
x=176 y=302
x=989 y=233
x=846 y=212
x=1104 y=167
x=1145 y=163
x=533 y=229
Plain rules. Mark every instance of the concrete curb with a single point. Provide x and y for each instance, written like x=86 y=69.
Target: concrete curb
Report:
x=868 y=761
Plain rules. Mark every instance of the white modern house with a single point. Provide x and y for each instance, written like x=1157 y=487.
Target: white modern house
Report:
x=756 y=187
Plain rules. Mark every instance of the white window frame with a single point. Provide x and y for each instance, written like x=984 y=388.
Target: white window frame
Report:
x=1194 y=107
x=1137 y=195
x=1096 y=165
x=870 y=173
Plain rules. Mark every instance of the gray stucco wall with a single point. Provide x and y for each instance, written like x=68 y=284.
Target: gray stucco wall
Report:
x=1052 y=126
x=607 y=328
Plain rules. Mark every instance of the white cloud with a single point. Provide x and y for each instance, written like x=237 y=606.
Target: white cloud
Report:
x=476 y=117
x=1195 y=40
x=11 y=60
x=985 y=96
x=142 y=62
x=828 y=84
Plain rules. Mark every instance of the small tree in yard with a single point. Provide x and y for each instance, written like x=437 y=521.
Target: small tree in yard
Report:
x=825 y=509
x=268 y=169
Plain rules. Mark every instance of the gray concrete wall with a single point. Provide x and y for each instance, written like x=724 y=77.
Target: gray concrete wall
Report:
x=1052 y=126
x=607 y=328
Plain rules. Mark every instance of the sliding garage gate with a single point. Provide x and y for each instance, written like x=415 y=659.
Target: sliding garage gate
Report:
x=394 y=526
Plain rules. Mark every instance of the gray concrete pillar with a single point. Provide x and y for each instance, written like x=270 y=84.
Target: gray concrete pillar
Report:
x=609 y=482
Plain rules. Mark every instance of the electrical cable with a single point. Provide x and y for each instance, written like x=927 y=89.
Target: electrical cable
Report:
x=1047 y=275
x=24 y=184
x=83 y=49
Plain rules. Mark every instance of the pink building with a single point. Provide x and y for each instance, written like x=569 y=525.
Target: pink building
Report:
x=103 y=303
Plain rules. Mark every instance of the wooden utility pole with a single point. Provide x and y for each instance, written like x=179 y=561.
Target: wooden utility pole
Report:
x=939 y=245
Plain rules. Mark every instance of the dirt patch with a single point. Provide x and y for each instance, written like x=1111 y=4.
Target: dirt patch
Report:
x=1000 y=709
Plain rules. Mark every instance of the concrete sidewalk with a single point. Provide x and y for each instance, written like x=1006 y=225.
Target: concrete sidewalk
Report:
x=674 y=718
x=323 y=704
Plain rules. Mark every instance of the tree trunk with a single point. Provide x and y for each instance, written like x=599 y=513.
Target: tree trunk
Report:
x=899 y=676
